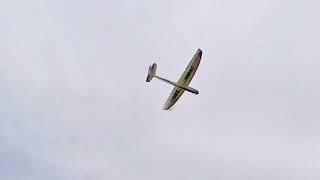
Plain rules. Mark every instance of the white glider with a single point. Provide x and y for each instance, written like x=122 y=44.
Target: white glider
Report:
x=182 y=84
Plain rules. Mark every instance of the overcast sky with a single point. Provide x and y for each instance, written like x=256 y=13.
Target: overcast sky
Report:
x=75 y=104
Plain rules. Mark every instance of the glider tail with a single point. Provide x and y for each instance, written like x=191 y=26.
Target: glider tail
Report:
x=151 y=72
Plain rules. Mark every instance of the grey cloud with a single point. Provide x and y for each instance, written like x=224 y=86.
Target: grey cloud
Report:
x=75 y=104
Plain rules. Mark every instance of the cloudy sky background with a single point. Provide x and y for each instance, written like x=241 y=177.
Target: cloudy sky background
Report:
x=75 y=105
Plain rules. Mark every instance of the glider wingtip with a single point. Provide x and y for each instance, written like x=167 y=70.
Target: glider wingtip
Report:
x=166 y=106
x=199 y=52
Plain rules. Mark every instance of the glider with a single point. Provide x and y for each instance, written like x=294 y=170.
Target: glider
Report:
x=182 y=84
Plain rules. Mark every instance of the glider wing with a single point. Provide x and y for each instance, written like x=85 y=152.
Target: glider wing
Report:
x=184 y=80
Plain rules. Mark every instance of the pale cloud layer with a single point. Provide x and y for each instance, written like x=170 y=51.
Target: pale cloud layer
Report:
x=75 y=104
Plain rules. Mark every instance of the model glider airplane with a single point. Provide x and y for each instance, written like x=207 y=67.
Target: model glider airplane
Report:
x=182 y=84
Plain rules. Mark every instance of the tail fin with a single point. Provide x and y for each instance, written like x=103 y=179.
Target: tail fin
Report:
x=151 y=72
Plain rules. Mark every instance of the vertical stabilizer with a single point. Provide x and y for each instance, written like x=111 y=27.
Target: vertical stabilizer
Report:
x=151 y=72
